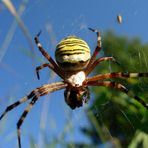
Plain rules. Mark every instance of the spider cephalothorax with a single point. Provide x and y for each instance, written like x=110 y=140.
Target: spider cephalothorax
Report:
x=76 y=97
x=74 y=64
x=76 y=93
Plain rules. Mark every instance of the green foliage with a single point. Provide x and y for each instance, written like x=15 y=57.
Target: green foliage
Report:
x=114 y=116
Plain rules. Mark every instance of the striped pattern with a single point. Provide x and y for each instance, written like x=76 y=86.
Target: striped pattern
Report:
x=72 y=54
x=34 y=95
x=119 y=87
x=40 y=91
x=116 y=75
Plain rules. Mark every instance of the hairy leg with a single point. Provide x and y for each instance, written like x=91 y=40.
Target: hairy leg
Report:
x=35 y=94
x=50 y=66
x=97 y=61
x=58 y=70
x=119 y=87
x=98 y=48
x=43 y=90
x=116 y=75
x=12 y=106
x=22 y=118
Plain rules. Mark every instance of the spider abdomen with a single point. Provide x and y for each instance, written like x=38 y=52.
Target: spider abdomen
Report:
x=72 y=54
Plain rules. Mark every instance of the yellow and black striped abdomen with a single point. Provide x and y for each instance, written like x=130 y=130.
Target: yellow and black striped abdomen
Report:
x=72 y=54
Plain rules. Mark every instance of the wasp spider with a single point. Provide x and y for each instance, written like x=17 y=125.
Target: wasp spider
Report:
x=73 y=64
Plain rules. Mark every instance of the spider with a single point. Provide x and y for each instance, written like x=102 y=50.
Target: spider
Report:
x=73 y=64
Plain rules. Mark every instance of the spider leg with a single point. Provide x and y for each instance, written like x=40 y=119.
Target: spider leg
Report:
x=57 y=69
x=43 y=90
x=116 y=75
x=97 y=61
x=23 y=116
x=12 y=106
x=35 y=94
x=119 y=87
x=43 y=66
x=98 y=37
x=98 y=48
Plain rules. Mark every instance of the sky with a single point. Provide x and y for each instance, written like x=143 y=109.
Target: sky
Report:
x=56 y=19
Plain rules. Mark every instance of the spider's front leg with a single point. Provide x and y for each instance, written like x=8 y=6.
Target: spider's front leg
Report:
x=41 y=91
x=23 y=116
x=17 y=103
x=34 y=95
